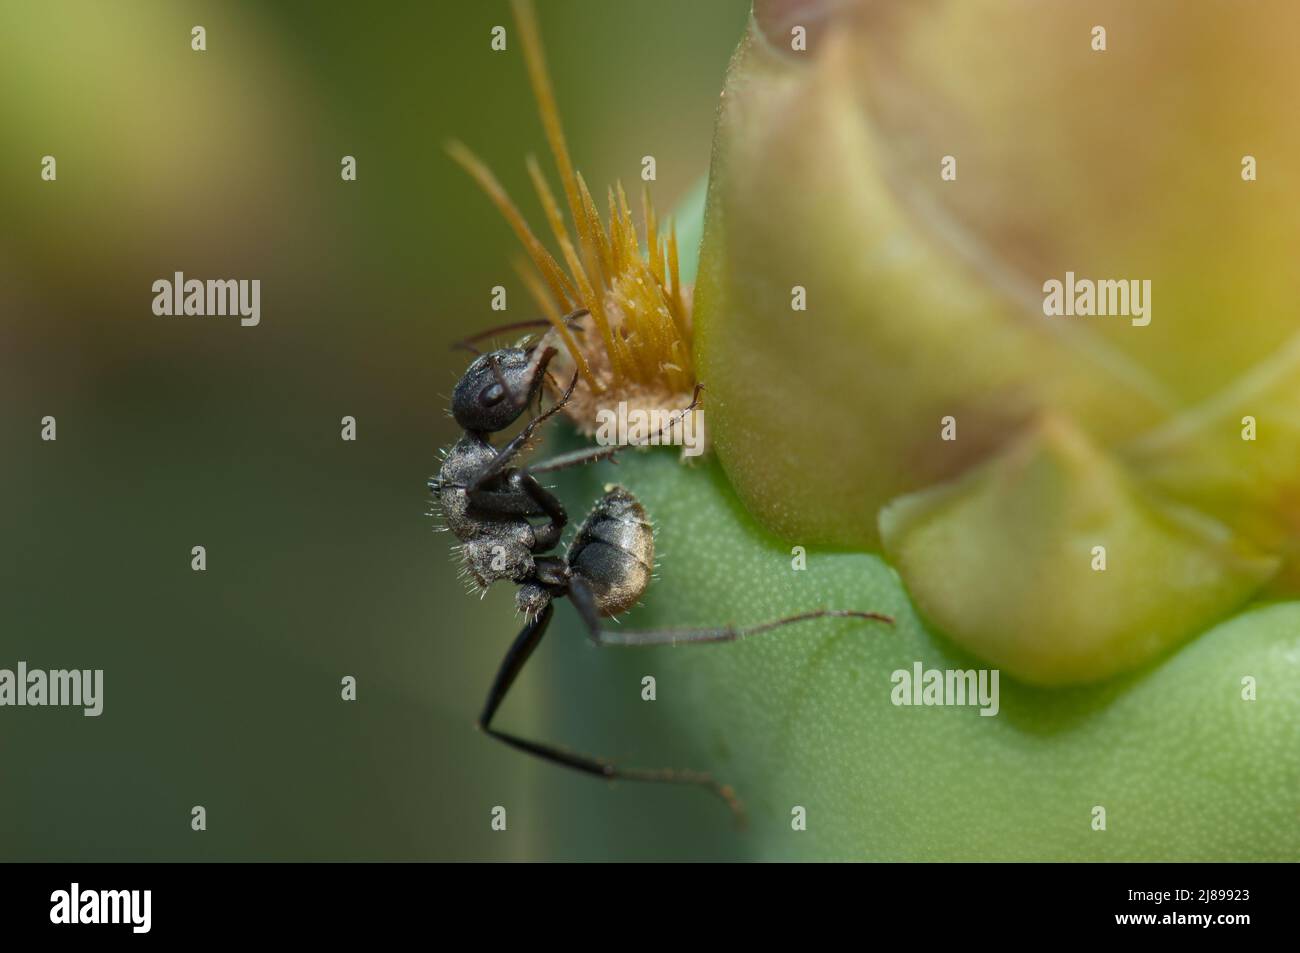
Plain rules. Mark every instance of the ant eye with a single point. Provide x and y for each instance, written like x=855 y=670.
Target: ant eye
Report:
x=492 y=394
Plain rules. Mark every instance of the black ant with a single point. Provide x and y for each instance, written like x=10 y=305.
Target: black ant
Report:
x=486 y=502
x=607 y=568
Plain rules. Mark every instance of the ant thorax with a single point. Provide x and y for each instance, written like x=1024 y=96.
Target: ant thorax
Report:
x=531 y=599
x=501 y=551
x=494 y=546
x=460 y=465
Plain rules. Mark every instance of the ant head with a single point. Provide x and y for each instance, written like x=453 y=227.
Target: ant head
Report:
x=498 y=387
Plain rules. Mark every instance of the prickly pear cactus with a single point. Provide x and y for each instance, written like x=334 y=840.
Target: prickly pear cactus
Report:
x=1095 y=506
x=998 y=338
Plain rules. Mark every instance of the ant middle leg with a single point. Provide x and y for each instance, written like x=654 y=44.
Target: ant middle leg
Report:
x=523 y=496
x=584 y=601
x=517 y=655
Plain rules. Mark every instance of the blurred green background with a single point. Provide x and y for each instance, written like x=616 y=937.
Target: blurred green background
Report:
x=222 y=688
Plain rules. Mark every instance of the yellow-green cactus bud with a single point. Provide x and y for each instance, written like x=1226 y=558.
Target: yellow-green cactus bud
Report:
x=993 y=284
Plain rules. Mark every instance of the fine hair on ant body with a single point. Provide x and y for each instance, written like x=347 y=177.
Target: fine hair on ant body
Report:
x=486 y=501
x=489 y=504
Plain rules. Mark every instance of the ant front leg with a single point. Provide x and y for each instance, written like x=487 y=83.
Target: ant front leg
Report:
x=528 y=640
x=585 y=602
x=575 y=458
x=512 y=449
x=593 y=455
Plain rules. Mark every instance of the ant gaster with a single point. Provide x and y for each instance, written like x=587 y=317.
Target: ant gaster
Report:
x=607 y=568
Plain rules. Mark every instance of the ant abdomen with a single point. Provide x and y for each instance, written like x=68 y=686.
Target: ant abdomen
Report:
x=614 y=551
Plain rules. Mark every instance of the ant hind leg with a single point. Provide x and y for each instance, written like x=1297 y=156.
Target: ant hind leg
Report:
x=518 y=654
x=581 y=596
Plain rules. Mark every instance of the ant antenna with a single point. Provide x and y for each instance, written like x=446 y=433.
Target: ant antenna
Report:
x=467 y=344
